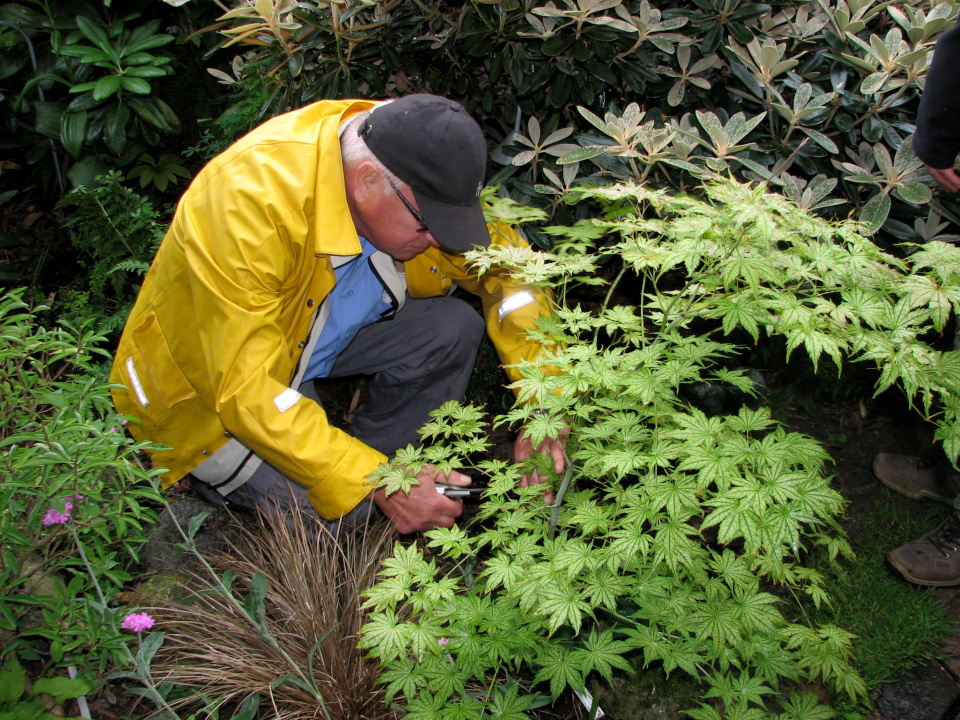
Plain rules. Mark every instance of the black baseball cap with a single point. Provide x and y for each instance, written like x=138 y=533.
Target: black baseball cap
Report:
x=434 y=146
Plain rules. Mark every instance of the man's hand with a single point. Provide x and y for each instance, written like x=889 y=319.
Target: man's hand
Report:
x=947 y=177
x=423 y=508
x=523 y=449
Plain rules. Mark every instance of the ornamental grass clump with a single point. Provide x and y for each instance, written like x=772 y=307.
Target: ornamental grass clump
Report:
x=677 y=537
x=279 y=623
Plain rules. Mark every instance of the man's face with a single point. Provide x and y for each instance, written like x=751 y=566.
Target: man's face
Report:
x=397 y=228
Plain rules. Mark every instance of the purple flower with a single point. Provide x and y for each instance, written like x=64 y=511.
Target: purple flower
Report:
x=55 y=517
x=137 y=622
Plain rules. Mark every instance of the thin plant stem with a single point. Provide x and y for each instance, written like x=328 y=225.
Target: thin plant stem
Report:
x=558 y=501
x=143 y=675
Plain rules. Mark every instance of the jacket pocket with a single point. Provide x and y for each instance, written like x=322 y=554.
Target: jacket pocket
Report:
x=153 y=374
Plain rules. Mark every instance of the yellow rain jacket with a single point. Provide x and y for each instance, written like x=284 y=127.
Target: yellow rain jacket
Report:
x=215 y=337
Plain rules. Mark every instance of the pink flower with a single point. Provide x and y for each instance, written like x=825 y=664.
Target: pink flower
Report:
x=443 y=641
x=55 y=517
x=137 y=622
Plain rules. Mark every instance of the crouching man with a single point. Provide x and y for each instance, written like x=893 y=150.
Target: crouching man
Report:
x=322 y=244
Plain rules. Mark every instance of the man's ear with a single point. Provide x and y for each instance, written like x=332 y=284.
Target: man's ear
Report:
x=367 y=183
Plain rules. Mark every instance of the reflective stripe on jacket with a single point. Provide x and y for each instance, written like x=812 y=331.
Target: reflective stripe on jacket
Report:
x=214 y=339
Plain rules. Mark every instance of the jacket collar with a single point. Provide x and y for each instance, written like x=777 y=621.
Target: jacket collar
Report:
x=333 y=226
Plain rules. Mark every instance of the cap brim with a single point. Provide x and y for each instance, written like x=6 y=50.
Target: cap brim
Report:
x=457 y=227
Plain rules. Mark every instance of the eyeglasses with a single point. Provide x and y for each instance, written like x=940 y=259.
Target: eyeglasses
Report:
x=413 y=211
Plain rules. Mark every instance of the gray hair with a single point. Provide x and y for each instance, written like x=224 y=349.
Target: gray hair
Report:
x=353 y=150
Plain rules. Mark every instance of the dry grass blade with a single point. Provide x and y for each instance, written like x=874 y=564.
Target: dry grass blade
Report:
x=313 y=599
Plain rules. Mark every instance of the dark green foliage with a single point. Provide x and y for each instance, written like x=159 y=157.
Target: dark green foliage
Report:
x=117 y=234
x=92 y=102
x=64 y=452
x=818 y=97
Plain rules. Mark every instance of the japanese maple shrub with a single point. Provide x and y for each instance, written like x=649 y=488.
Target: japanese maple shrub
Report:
x=674 y=535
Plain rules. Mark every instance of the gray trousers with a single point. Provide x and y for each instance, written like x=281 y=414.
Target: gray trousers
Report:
x=419 y=360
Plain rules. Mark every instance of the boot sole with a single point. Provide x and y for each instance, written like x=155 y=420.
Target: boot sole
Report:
x=920 y=495
x=920 y=581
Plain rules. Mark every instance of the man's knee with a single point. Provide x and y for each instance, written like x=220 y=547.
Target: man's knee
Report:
x=456 y=327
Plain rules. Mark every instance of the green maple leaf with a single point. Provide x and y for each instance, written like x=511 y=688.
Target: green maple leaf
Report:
x=535 y=386
x=591 y=518
x=445 y=678
x=939 y=256
x=696 y=428
x=561 y=669
x=676 y=655
x=562 y=604
x=748 y=420
x=672 y=544
x=769 y=660
x=602 y=653
x=604 y=588
x=805 y=707
x=433 y=595
x=816 y=343
x=862 y=305
x=502 y=570
x=781 y=525
x=678 y=494
x=403 y=675
x=923 y=290
x=734 y=518
x=508 y=705
x=404 y=562
x=387 y=593
x=427 y=707
x=740 y=310
x=733 y=569
x=704 y=712
x=386 y=635
x=467 y=707
x=630 y=541
x=755 y=611
x=452 y=542
x=717 y=622
x=741 y=689
x=573 y=556
x=711 y=465
x=620 y=318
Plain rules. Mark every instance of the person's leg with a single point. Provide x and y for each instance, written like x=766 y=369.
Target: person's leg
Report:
x=419 y=360
x=269 y=491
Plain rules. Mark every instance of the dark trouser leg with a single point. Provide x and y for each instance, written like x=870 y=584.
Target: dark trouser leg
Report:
x=420 y=359
x=269 y=491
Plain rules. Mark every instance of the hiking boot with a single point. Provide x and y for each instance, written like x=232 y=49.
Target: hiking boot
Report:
x=934 y=559
x=917 y=479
